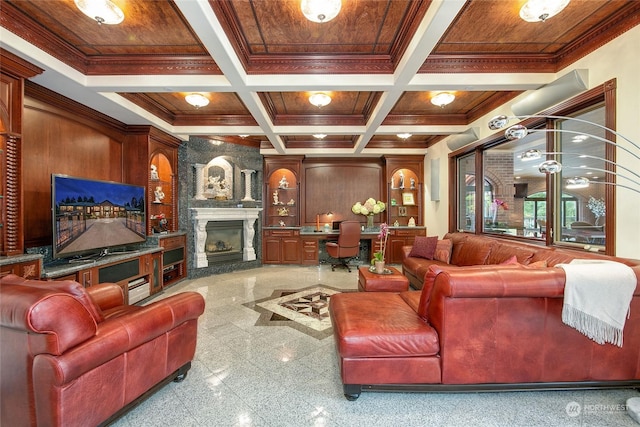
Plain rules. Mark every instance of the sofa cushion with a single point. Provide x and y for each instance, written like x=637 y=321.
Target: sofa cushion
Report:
x=471 y=251
x=503 y=251
x=424 y=247
x=443 y=251
x=379 y=324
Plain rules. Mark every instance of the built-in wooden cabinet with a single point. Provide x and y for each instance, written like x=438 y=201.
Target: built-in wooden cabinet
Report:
x=27 y=266
x=138 y=274
x=404 y=175
x=310 y=254
x=281 y=201
x=13 y=73
x=173 y=258
x=281 y=246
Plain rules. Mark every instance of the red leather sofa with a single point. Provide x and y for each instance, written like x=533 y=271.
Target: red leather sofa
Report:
x=72 y=356
x=479 y=327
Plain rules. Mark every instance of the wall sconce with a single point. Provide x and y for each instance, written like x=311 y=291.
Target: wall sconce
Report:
x=197 y=100
x=103 y=11
x=553 y=166
x=442 y=99
x=319 y=99
x=320 y=11
x=318 y=230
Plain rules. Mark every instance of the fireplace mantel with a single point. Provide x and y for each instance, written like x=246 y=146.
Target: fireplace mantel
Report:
x=201 y=216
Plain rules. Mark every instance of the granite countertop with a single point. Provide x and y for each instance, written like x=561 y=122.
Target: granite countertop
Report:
x=14 y=259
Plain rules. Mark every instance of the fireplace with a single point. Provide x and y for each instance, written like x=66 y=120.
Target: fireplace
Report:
x=224 y=241
x=212 y=249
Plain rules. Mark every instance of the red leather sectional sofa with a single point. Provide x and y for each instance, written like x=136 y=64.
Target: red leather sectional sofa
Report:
x=478 y=327
x=72 y=356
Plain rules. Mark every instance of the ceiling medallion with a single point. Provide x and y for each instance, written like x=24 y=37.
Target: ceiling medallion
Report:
x=320 y=11
x=541 y=10
x=442 y=99
x=103 y=11
x=319 y=99
x=404 y=135
x=198 y=100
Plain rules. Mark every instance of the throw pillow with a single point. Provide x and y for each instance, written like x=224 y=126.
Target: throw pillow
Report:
x=443 y=250
x=537 y=264
x=512 y=260
x=424 y=247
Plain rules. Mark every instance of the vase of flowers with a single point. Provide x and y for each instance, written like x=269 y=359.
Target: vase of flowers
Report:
x=378 y=257
x=369 y=208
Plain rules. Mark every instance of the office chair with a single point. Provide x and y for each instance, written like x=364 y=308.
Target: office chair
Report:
x=347 y=246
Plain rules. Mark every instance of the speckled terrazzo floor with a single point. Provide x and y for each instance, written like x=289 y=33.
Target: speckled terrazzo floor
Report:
x=247 y=373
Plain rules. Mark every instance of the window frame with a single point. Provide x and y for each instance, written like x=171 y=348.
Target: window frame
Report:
x=603 y=95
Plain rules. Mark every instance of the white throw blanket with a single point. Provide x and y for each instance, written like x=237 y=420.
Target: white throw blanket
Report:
x=597 y=295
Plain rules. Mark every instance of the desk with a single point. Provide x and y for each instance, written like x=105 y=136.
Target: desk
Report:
x=313 y=245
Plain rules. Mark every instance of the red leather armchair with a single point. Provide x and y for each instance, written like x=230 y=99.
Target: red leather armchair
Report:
x=72 y=356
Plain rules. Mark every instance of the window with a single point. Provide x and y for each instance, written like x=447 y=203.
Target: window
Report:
x=521 y=198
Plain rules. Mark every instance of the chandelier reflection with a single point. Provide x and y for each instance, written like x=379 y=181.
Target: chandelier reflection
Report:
x=553 y=166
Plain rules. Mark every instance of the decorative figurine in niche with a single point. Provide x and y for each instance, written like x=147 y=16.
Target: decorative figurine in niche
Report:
x=154 y=172
x=283 y=182
x=283 y=211
x=291 y=202
x=282 y=224
x=412 y=222
x=401 y=180
x=276 y=201
x=159 y=194
x=219 y=188
x=413 y=183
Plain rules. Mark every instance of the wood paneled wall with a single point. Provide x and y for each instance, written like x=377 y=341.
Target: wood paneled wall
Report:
x=337 y=184
x=61 y=137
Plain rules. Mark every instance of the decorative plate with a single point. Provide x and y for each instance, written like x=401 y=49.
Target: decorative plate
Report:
x=372 y=269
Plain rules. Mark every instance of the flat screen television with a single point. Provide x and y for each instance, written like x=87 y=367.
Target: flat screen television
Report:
x=91 y=216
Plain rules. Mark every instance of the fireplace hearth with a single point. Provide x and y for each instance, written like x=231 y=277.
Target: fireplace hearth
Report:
x=215 y=242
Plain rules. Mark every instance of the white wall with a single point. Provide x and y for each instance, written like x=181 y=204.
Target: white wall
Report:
x=620 y=60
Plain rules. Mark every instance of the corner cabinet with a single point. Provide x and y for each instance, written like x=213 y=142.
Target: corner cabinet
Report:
x=281 y=215
x=404 y=175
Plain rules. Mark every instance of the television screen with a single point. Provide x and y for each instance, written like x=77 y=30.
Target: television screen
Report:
x=90 y=215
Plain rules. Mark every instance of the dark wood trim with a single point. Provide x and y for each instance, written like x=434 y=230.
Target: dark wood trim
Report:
x=18 y=67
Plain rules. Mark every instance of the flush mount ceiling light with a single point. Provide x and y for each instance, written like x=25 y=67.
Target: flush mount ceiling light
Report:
x=319 y=99
x=103 y=11
x=404 y=135
x=442 y=99
x=319 y=135
x=198 y=100
x=541 y=10
x=577 y=182
x=320 y=11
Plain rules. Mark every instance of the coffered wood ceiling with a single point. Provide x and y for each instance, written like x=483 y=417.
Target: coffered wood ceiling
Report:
x=259 y=60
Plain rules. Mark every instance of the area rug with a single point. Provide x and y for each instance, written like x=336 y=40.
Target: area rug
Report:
x=306 y=310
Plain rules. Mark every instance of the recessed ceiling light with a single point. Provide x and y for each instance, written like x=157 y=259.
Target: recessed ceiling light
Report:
x=319 y=99
x=243 y=136
x=103 y=11
x=404 y=135
x=198 y=100
x=320 y=11
x=319 y=135
x=442 y=99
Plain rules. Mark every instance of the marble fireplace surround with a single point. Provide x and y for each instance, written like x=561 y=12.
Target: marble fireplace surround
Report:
x=200 y=218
